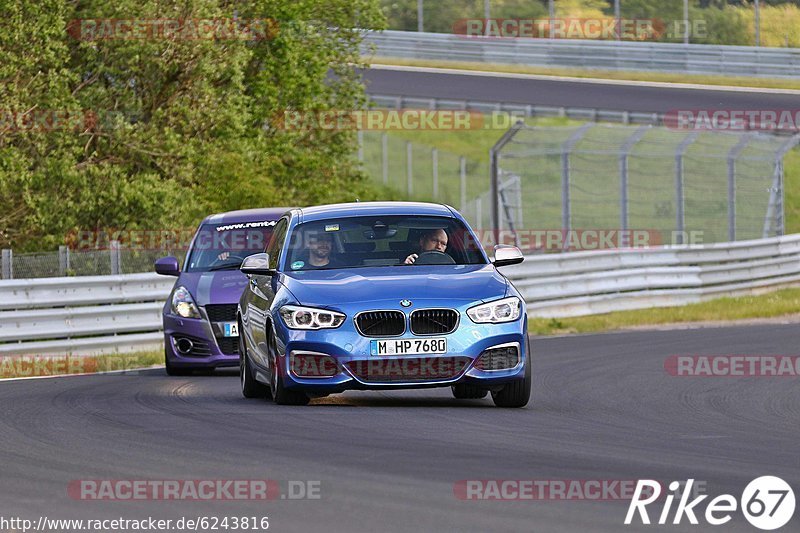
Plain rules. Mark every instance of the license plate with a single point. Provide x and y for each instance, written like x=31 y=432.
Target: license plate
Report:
x=408 y=346
x=231 y=329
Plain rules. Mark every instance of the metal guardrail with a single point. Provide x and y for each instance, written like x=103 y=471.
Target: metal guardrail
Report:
x=519 y=110
x=104 y=314
x=590 y=54
x=584 y=283
x=83 y=315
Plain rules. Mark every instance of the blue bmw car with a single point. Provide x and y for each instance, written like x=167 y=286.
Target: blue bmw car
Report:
x=377 y=296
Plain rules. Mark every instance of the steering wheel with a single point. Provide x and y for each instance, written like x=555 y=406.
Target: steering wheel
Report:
x=231 y=257
x=434 y=257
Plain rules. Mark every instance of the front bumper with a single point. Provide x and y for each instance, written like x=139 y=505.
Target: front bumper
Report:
x=356 y=369
x=210 y=350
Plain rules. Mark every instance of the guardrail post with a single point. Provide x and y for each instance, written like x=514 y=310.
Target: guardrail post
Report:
x=8 y=264
x=385 y=157
x=409 y=169
x=113 y=251
x=435 y=164
x=462 y=163
x=63 y=260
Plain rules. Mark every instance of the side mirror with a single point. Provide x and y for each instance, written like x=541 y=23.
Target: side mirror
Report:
x=168 y=266
x=505 y=255
x=257 y=265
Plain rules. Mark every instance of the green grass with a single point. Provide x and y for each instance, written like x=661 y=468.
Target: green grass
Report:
x=765 y=83
x=38 y=365
x=776 y=304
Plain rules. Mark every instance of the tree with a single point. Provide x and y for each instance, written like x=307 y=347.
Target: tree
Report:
x=177 y=127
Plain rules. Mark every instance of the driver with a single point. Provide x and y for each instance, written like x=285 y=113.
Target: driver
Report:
x=430 y=241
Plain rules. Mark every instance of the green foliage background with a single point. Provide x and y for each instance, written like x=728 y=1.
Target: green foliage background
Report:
x=188 y=121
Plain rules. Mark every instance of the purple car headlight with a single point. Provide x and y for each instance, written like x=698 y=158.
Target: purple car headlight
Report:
x=297 y=317
x=183 y=304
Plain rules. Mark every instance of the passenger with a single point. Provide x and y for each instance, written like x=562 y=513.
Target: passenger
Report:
x=430 y=241
x=319 y=252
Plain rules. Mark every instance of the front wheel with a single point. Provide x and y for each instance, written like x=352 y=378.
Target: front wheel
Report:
x=250 y=387
x=174 y=370
x=280 y=394
x=517 y=393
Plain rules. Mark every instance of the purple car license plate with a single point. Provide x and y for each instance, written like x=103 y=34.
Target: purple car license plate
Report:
x=408 y=346
x=231 y=329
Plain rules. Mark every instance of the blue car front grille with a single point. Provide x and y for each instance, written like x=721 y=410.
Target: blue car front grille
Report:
x=381 y=323
x=433 y=321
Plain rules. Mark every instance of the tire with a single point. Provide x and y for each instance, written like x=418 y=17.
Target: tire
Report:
x=173 y=370
x=280 y=394
x=468 y=392
x=250 y=387
x=517 y=393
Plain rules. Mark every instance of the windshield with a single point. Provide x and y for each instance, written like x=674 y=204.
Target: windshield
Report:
x=377 y=241
x=224 y=246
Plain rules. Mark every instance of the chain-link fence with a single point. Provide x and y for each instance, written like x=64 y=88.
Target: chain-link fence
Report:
x=724 y=186
x=425 y=173
x=68 y=262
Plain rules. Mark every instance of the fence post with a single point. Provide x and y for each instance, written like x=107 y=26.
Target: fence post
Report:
x=409 y=169
x=630 y=142
x=732 y=155
x=113 y=251
x=680 y=196
x=566 y=148
x=8 y=264
x=462 y=161
x=385 y=157
x=63 y=260
x=775 y=208
x=435 y=163
x=494 y=157
x=360 y=136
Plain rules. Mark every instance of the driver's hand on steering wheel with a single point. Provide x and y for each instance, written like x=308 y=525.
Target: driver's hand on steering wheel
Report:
x=223 y=256
x=410 y=259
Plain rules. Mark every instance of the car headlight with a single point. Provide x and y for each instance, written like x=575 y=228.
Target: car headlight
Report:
x=505 y=310
x=297 y=317
x=183 y=304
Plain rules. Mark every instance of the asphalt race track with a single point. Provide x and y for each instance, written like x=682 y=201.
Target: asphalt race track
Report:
x=624 y=96
x=604 y=409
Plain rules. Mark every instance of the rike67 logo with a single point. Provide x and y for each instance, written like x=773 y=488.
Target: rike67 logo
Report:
x=767 y=503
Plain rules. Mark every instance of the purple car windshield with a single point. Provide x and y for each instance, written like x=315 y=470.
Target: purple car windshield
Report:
x=379 y=241
x=224 y=246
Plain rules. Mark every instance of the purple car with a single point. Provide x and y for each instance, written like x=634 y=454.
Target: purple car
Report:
x=200 y=330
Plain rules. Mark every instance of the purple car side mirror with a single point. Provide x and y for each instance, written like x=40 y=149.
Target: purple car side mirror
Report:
x=168 y=266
